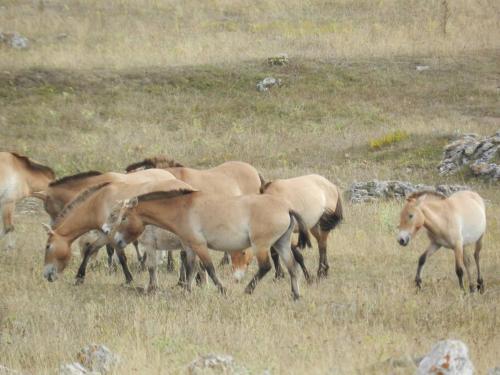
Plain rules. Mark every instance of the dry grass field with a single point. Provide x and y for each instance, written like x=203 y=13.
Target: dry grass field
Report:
x=104 y=84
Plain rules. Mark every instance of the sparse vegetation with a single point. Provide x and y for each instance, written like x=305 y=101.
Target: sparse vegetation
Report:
x=138 y=78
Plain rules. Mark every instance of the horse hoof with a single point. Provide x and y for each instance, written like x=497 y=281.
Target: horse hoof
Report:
x=79 y=280
x=295 y=296
x=223 y=290
x=279 y=275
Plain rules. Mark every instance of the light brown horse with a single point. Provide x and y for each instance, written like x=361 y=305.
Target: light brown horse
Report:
x=231 y=178
x=453 y=222
x=318 y=202
x=20 y=177
x=89 y=211
x=218 y=222
x=62 y=191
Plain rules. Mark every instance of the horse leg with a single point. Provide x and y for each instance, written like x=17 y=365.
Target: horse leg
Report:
x=321 y=237
x=110 y=251
x=190 y=265
x=89 y=251
x=278 y=271
x=480 y=282
x=459 y=264
x=170 y=262
x=8 y=224
x=152 y=265
x=292 y=266
x=140 y=258
x=431 y=249
x=201 y=275
x=202 y=252
x=300 y=260
x=182 y=269
x=262 y=255
x=467 y=262
x=120 y=252
x=225 y=259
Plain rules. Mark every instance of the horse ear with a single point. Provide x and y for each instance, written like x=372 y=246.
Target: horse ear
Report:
x=40 y=195
x=47 y=228
x=131 y=203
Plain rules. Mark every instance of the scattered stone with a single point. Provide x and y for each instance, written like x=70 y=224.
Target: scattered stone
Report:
x=213 y=364
x=447 y=357
x=98 y=358
x=7 y=371
x=370 y=191
x=75 y=368
x=14 y=40
x=279 y=60
x=421 y=68
x=494 y=371
x=267 y=83
x=476 y=153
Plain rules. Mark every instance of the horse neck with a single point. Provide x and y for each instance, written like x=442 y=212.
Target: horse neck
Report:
x=81 y=219
x=37 y=181
x=433 y=218
x=64 y=193
x=166 y=213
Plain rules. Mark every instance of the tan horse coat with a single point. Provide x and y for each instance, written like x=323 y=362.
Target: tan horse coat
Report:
x=318 y=202
x=89 y=211
x=218 y=222
x=454 y=223
x=20 y=177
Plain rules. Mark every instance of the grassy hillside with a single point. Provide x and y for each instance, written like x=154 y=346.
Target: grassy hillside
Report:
x=130 y=79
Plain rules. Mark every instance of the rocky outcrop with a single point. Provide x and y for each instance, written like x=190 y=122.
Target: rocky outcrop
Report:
x=14 y=40
x=92 y=360
x=369 y=191
x=448 y=357
x=213 y=364
x=475 y=153
x=267 y=83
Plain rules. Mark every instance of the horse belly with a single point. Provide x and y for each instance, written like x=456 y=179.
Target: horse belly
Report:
x=473 y=228
x=9 y=189
x=231 y=241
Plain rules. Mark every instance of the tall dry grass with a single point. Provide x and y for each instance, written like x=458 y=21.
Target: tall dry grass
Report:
x=121 y=33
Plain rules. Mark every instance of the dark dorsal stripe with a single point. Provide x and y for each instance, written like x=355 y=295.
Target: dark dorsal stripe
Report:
x=75 y=177
x=418 y=194
x=156 y=195
x=159 y=161
x=34 y=166
x=83 y=196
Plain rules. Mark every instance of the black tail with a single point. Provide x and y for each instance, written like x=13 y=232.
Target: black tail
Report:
x=330 y=219
x=304 y=239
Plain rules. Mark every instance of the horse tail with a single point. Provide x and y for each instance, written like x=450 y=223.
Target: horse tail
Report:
x=330 y=219
x=304 y=239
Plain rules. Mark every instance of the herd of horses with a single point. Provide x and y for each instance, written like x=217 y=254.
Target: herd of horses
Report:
x=163 y=205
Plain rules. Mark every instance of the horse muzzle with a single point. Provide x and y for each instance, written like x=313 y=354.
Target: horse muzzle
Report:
x=50 y=273
x=404 y=239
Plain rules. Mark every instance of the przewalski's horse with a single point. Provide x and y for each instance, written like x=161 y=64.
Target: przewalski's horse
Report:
x=20 y=177
x=453 y=222
x=231 y=178
x=218 y=222
x=89 y=211
x=62 y=191
x=318 y=202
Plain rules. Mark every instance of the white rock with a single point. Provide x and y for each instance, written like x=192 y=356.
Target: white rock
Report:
x=7 y=371
x=421 y=68
x=98 y=358
x=75 y=368
x=212 y=364
x=14 y=40
x=448 y=357
x=267 y=83
x=494 y=371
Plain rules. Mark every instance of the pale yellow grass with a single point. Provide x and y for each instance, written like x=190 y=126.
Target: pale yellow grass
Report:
x=119 y=34
x=366 y=312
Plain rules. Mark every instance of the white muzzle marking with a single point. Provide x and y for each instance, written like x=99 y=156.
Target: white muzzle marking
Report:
x=106 y=228
x=238 y=275
x=50 y=272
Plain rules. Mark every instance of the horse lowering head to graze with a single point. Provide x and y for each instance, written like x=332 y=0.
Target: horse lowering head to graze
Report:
x=89 y=211
x=318 y=202
x=20 y=177
x=454 y=223
x=218 y=222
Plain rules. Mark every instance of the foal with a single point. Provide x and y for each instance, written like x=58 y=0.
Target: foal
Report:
x=20 y=177
x=453 y=222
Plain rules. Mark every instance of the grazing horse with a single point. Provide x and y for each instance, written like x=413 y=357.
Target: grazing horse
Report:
x=218 y=222
x=89 y=211
x=20 y=177
x=453 y=222
x=318 y=202
x=231 y=178
x=62 y=191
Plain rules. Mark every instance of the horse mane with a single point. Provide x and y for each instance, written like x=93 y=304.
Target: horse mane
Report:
x=34 y=166
x=78 y=176
x=264 y=185
x=164 y=194
x=159 y=161
x=418 y=194
x=77 y=201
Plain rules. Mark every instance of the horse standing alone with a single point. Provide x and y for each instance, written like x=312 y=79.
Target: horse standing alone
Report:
x=453 y=222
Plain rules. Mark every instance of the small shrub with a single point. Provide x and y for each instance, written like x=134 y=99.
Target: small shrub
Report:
x=388 y=139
